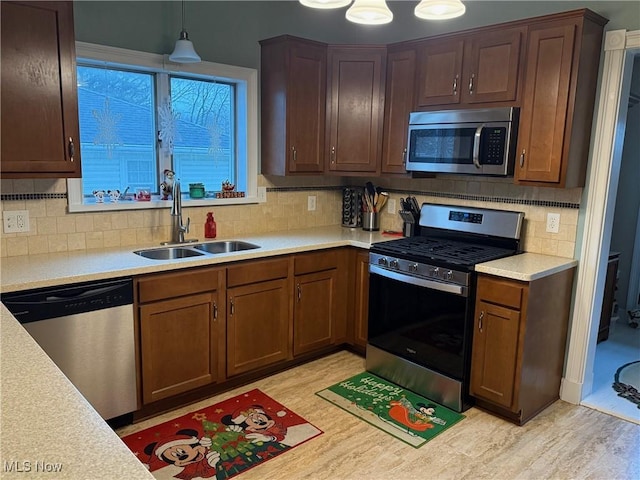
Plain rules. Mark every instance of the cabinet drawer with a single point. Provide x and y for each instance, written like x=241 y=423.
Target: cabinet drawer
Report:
x=316 y=262
x=167 y=285
x=261 y=271
x=500 y=292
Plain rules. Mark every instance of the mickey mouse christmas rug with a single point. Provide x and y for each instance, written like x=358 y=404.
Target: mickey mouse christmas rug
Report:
x=222 y=440
x=405 y=415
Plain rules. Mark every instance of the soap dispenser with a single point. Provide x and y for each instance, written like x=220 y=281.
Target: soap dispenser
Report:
x=210 y=226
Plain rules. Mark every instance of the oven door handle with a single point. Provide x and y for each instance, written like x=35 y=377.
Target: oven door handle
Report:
x=421 y=282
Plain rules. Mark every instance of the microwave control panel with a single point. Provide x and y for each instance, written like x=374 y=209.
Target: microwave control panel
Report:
x=492 y=146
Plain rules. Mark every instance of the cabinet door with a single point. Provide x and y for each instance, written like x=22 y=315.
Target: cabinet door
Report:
x=257 y=325
x=494 y=357
x=491 y=64
x=306 y=109
x=399 y=100
x=543 y=118
x=440 y=72
x=315 y=311
x=40 y=133
x=361 y=310
x=179 y=342
x=355 y=107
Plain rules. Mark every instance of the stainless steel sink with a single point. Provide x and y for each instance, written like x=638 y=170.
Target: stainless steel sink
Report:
x=225 y=246
x=168 y=253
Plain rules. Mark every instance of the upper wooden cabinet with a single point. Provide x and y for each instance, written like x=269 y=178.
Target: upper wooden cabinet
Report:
x=293 y=83
x=559 y=94
x=470 y=69
x=399 y=102
x=40 y=133
x=355 y=107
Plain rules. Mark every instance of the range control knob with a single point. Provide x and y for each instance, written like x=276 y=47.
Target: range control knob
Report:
x=448 y=275
x=382 y=261
x=435 y=271
x=393 y=264
x=413 y=268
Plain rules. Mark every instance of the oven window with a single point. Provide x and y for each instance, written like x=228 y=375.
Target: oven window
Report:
x=442 y=145
x=428 y=327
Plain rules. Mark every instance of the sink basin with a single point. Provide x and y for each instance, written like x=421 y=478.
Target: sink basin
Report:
x=168 y=253
x=225 y=246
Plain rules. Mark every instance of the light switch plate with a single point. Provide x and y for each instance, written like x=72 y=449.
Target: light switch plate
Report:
x=262 y=194
x=311 y=203
x=391 y=205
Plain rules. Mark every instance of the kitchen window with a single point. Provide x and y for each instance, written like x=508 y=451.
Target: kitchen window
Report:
x=141 y=115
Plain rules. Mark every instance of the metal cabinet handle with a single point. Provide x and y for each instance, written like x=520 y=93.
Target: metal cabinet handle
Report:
x=299 y=292
x=471 y=83
x=295 y=154
x=404 y=156
x=522 y=158
x=333 y=154
x=72 y=149
x=215 y=311
x=455 y=85
x=232 y=307
x=480 y=321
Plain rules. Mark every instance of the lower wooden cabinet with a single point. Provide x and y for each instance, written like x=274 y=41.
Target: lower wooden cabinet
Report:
x=319 y=314
x=257 y=315
x=519 y=342
x=181 y=334
x=360 y=303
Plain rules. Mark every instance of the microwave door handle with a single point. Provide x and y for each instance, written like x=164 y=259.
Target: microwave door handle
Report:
x=476 y=146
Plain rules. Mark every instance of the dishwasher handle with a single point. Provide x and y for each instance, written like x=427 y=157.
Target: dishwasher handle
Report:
x=53 y=302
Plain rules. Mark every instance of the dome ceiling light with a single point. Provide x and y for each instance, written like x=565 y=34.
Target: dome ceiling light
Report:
x=376 y=12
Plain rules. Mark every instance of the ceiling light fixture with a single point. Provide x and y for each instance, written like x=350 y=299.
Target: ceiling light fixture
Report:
x=439 y=9
x=184 y=51
x=325 y=4
x=369 y=12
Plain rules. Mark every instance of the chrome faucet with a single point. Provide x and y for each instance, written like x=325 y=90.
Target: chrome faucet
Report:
x=177 y=228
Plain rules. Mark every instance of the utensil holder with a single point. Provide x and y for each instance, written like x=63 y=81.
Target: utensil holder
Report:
x=370 y=221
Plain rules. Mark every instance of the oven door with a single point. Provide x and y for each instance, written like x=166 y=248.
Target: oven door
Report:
x=428 y=325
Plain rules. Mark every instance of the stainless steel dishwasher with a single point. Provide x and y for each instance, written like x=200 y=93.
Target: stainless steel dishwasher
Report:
x=87 y=330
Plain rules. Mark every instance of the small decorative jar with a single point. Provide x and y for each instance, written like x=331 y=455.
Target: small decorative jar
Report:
x=196 y=190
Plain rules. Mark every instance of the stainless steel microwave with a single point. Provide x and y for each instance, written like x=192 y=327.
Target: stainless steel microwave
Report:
x=471 y=142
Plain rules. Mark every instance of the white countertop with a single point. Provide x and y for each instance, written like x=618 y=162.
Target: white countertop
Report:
x=35 y=271
x=47 y=424
x=526 y=266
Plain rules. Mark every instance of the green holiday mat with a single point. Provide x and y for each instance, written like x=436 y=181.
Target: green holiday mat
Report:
x=399 y=412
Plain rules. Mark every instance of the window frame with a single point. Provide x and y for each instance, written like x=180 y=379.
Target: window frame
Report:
x=246 y=82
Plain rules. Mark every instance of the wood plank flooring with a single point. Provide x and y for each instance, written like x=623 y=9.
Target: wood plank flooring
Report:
x=563 y=442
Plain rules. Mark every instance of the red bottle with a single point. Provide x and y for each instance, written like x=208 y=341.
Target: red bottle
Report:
x=210 y=226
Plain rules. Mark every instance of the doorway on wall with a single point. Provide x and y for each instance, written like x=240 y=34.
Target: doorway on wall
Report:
x=618 y=340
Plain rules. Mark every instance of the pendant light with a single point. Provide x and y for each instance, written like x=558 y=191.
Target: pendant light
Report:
x=325 y=4
x=184 y=51
x=369 y=12
x=439 y=9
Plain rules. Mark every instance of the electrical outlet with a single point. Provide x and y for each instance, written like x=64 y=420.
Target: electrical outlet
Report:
x=16 y=221
x=553 y=222
x=391 y=205
x=262 y=194
x=311 y=203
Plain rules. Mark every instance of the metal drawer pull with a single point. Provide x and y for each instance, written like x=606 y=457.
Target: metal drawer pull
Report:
x=295 y=154
x=299 y=292
x=471 y=83
x=232 y=306
x=522 y=158
x=215 y=311
x=480 y=321
x=455 y=85
x=72 y=149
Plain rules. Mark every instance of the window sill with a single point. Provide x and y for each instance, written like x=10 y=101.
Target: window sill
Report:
x=154 y=204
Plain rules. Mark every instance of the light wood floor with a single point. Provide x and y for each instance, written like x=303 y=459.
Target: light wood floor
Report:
x=563 y=442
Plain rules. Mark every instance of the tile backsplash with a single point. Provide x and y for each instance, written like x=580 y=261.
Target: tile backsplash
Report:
x=52 y=229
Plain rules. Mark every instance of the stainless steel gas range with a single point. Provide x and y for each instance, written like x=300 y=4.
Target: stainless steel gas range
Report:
x=422 y=295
